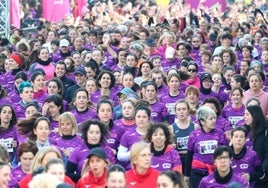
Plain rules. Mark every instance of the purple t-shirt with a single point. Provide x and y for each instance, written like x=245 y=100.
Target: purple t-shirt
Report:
x=169 y=160
x=203 y=144
x=233 y=115
x=18 y=173
x=159 y=112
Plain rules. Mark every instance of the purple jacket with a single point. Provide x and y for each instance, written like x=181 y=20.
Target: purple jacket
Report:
x=170 y=160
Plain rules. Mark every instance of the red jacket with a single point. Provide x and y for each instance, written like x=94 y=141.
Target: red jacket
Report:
x=26 y=180
x=91 y=181
x=149 y=179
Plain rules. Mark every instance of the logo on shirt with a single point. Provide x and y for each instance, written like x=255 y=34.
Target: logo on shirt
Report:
x=132 y=183
x=166 y=166
x=244 y=166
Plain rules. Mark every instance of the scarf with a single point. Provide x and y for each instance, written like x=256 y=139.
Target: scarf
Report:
x=223 y=180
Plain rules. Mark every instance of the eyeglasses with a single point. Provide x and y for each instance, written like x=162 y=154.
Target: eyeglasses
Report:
x=225 y=157
x=195 y=41
x=191 y=70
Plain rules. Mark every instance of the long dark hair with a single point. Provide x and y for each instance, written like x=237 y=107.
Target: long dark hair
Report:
x=259 y=122
x=13 y=120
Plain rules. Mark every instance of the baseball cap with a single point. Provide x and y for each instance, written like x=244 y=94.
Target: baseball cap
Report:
x=150 y=42
x=80 y=71
x=64 y=43
x=125 y=91
x=99 y=152
x=205 y=76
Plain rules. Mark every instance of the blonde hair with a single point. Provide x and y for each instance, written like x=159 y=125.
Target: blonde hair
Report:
x=136 y=150
x=44 y=181
x=37 y=161
x=70 y=117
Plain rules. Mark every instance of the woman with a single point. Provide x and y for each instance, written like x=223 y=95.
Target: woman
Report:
x=141 y=174
x=44 y=63
x=26 y=153
x=192 y=97
x=40 y=160
x=77 y=59
x=174 y=93
x=105 y=115
x=256 y=125
x=255 y=84
x=14 y=94
x=192 y=70
x=201 y=145
x=116 y=177
x=159 y=110
x=5 y=173
x=67 y=139
x=97 y=162
x=38 y=82
x=165 y=157
x=229 y=58
x=234 y=111
x=83 y=108
x=52 y=108
x=158 y=76
x=41 y=132
x=94 y=135
x=144 y=72
x=106 y=83
x=44 y=180
x=121 y=60
x=245 y=160
x=91 y=86
x=127 y=122
x=142 y=119
x=181 y=128
x=8 y=121
x=171 y=179
x=56 y=168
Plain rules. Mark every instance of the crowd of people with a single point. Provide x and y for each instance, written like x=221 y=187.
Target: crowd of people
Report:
x=137 y=95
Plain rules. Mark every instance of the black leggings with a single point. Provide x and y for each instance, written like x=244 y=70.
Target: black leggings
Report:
x=196 y=176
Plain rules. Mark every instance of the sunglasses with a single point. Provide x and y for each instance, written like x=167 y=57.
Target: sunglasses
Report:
x=191 y=70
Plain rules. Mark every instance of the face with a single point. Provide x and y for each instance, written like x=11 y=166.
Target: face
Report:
x=6 y=115
x=248 y=118
x=42 y=131
x=26 y=160
x=192 y=71
x=44 y=54
x=39 y=83
x=13 y=64
x=145 y=69
x=157 y=63
x=264 y=55
x=205 y=58
x=66 y=126
x=238 y=139
x=209 y=123
x=257 y=37
x=158 y=138
x=105 y=112
x=207 y=83
x=128 y=110
x=27 y=94
x=191 y=97
x=182 y=111
x=80 y=79
x=122 y=57
x=81 y=100
x=217 y=61
x=52 y=88
x=217 y=79
x=144 y=159
x=105 y=80
x=236 y=97
x=228 y=75
x=128 y=81
x=158 y=79
x=246 y=53
x=97 y=165
x=223 y=162
x=57 y=170
x=60 y=70
x=91 y=86
x=131 y=61
x=53 y=109
x=97 y=56
x=78 y=43
x=264 y=45
x=88 y=56
x=164 y=181
x=142 y=119
x=243 y=67
x=90 y=72
x=54 y=47
x=48 y=157
x=174 y=83
x=226 y=58
x=118 y=78
x=196 y=42
x=94 y=134
x=182 y=51
x=150 y=92
x=257 y=67
x=5 y=176
x=254 y=83
x=30 y=111
x=116 y=180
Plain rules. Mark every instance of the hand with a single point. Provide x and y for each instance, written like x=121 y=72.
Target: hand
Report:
x=14 y=144
x=246 y=176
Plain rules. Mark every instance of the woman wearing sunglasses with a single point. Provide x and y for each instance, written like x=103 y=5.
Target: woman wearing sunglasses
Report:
x=192 y=70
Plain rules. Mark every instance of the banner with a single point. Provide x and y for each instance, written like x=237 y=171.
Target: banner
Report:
x=15 y=13
x=207 y=3
x=55 y=10
x=81 y=5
